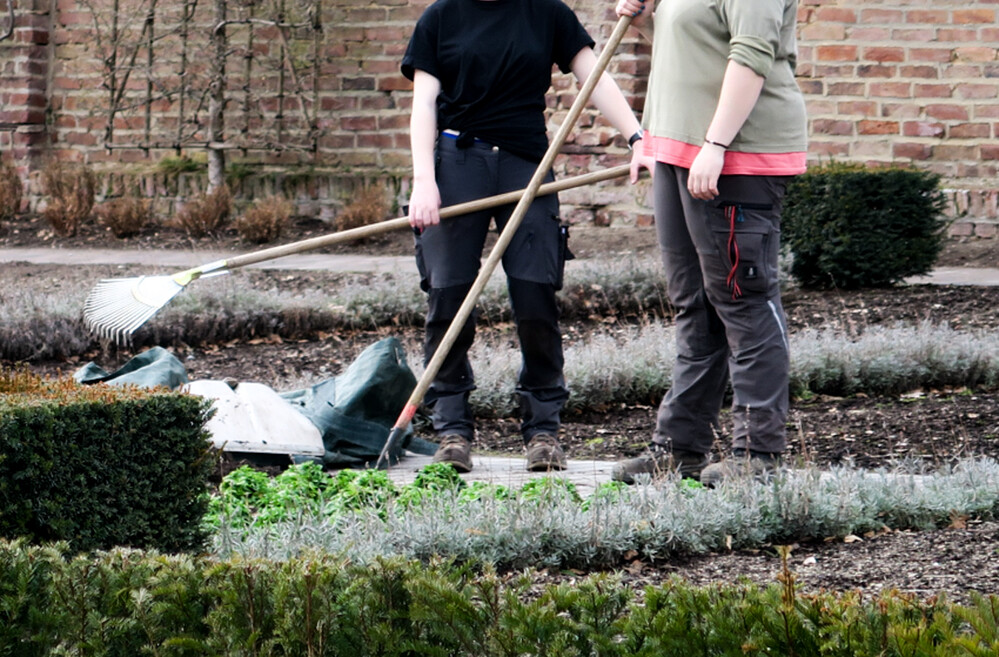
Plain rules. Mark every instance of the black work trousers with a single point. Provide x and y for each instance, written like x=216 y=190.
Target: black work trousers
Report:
x=449 y=256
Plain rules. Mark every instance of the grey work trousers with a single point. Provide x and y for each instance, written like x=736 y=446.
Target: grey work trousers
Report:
x=449 y=256
x=720 y=260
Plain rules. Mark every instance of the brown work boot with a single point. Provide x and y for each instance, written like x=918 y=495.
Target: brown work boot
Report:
x=658 y=461
x=456 y=450
x=759 y=465
x=544 y=453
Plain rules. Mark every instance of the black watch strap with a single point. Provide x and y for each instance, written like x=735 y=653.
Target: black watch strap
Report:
x=635 y=137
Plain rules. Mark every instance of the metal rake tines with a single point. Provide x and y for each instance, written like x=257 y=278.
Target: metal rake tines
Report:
x=115 y=308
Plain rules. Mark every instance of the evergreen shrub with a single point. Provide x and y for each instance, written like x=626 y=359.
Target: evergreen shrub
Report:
x=134 y=603
x=851 y=227
x=102 y=466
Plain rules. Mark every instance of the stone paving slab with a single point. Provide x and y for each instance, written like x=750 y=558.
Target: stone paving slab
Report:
x=510 y=471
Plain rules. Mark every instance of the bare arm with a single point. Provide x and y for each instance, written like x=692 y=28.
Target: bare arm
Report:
x=425 y=200
x=740 y=90
x=607 y=98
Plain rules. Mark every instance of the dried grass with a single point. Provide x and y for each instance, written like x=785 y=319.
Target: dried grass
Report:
x=265 y=219
x=369 y=206
x=125 y=216
x=11 y=191
x=206 y=214
x=71 y=189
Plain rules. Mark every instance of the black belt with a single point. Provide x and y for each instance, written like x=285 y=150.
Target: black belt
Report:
x=464 y=139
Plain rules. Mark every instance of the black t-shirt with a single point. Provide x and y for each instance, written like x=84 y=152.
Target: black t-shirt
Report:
x=494 y=61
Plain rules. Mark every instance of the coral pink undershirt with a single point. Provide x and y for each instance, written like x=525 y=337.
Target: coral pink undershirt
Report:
x=681 y=154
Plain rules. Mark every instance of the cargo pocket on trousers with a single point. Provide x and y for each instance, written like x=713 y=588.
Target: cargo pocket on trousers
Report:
x=745 y=247
x=564 y=254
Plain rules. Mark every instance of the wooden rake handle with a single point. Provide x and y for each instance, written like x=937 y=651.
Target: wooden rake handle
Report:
x=530 y=192
x=403 y=222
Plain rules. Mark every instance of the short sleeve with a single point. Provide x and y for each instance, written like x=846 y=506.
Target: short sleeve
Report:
x=570 y=36
x=755 y=29
x=421 y=53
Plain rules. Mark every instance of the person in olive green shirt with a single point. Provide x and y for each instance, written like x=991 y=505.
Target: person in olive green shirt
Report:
x=725 y=121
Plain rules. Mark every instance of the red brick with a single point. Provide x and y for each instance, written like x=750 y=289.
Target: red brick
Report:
x=884 y=54
x=959 y=35
x=947 y=112
x=857 y=107
x=976 y=91
x=932 y=91
x=953 y=153
x=866 y=33
x=889 y=16
x=962 y=71
x=823 y=32
x=844 y=53
x=990 y=151
x=356 y=123
x=974 y=16
x=939 y=55
x=970 y=131
x=875 y=71
x=847 y=88
x=832 y=127
x=912 y=150
x=869 y=127
x=818 y=147
x=923 y=35
x=826 y=71
x=901 y=110
x=923 y=72
x=975 y=54
x=923 y=129
x=927 y=16
x=890 y=90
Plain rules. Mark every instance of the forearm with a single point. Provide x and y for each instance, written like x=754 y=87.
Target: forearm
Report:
x=423 y=127
x=607 y=96
x=740 y=90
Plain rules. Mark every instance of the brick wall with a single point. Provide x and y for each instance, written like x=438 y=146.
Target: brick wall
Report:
x=887 y=81
x=896 y=81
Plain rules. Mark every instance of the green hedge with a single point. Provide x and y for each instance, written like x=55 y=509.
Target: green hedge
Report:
x=102 y=466
x=851 y=227
x=127 y=603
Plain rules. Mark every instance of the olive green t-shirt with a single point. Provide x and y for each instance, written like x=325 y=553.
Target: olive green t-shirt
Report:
x=694 y=39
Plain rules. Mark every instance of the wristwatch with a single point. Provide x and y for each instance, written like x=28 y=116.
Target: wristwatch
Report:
x=635 y=137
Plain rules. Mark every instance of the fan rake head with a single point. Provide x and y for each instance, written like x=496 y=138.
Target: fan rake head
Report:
x=115 y=308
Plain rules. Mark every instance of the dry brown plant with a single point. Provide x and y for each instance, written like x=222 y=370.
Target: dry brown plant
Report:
x=206 y=214
x=264 y=220
x=11 y=191
x=70 y=189
x=125 y=216
x=369 y=206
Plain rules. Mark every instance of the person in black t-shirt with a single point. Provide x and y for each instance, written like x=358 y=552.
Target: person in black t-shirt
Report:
x=481 y=70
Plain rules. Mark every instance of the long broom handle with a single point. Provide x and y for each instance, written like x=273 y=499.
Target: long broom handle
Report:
x=530 y=192
x=403 y=222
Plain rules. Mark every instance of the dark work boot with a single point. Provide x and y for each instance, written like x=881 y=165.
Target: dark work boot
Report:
x=658 y=461
x=456 y=450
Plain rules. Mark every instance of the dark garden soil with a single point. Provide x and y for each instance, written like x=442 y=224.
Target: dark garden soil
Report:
x=932 y=426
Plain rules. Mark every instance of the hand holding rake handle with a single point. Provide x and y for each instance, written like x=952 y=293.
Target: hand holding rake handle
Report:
x=115 y=308
x=530 y=192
